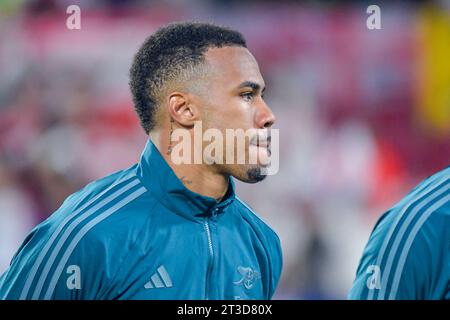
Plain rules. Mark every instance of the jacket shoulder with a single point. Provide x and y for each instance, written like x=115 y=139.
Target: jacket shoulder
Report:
x=411 y=232
x=91 y=232
x=256 y=220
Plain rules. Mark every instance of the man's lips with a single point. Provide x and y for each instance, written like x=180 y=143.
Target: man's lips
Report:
x=261 y=142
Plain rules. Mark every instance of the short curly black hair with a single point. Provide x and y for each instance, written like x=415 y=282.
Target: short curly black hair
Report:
x=172 y=49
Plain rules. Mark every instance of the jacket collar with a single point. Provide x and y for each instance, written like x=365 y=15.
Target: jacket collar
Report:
x=160 y=179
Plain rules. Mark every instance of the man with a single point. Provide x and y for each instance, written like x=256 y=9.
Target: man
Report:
x=161 y=230
x=408 y=253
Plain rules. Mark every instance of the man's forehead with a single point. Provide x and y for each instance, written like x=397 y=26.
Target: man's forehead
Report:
x=234 y=62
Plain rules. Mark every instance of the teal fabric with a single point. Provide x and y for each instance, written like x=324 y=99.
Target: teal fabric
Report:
x=408 y=254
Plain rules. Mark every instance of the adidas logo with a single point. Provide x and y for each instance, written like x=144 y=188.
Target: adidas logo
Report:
x=160 y=279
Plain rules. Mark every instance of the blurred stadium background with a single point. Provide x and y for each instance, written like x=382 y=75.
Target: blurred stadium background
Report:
x=363 y=114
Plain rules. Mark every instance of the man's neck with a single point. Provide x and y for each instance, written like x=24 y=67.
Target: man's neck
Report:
x=199 y=178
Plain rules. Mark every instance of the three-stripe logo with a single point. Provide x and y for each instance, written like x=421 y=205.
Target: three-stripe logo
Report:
x=160 y=279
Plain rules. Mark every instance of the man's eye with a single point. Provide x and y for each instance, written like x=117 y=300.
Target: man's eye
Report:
x=248 y=96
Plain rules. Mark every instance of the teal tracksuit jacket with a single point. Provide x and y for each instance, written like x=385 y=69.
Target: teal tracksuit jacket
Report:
x=140 y=234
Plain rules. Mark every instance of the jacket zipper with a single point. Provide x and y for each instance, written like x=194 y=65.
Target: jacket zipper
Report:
x=211 y=257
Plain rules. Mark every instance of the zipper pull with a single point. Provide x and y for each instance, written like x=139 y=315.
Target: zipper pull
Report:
x=215 y=212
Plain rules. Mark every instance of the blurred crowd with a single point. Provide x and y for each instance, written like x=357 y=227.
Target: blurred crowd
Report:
x=363 y=115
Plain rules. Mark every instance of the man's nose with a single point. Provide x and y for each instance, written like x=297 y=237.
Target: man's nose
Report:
x=264 y=116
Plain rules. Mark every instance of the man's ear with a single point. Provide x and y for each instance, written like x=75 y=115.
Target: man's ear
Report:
x=182 y=109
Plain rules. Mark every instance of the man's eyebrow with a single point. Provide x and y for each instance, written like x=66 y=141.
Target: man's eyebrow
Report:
x=255 y=86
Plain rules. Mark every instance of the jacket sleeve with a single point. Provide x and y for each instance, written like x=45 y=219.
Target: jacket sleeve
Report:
x=277 y=264
x=400 y=262
x=66 y=270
